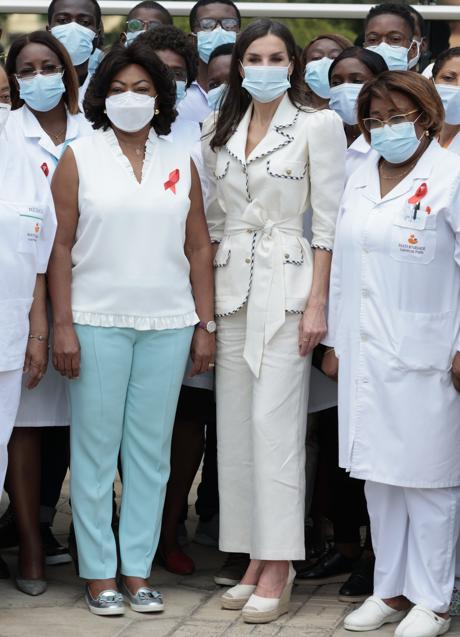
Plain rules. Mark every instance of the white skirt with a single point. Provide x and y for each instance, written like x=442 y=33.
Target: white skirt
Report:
x=47 y=405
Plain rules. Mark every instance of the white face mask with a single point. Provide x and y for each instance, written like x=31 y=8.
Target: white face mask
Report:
x=129 y=111
x=5 y=110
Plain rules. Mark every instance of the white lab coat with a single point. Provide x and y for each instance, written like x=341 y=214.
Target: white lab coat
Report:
x=395 y=324
x=27 y=229
x=47 y=405
x=357 y=153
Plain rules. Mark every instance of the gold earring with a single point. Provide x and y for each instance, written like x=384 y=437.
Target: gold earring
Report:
x=427 y=133
x=156 y=111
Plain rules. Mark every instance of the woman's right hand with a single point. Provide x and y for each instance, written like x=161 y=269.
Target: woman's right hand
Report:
x=330 y=364
x=66 y=351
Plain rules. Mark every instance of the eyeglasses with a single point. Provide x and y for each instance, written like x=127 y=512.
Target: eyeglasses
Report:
x=29 y=74
x=142 y=25
x=371 y=123
x=209 y=24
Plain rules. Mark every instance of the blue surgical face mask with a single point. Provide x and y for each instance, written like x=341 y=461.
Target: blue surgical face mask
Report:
x=395 y=143
x=210 y=40
x=450 y=96
x=216 y=97
x=181 y=90
x=344 y=100
x=43 y=92
x=131 y=36
x=317 y=76
x=266 y=83
x=78 y=41
x=95 y=60
x=394 y=56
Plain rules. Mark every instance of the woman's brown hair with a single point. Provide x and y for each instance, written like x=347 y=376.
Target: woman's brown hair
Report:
x=237 y=99
x=417 y=88
x=69 y=78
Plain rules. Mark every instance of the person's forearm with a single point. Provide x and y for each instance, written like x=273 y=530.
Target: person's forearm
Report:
x=202 y=278
x=59 y=284
x=321 y=275
x=38 y=318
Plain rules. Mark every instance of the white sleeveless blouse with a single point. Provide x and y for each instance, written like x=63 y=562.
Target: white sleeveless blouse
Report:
x=129 y=266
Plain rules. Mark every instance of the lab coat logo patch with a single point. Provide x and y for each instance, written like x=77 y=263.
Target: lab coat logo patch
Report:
x=412 y=240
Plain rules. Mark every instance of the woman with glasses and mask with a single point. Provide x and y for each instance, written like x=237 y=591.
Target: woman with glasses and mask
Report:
x=270 y=156
x=44 y=95
x=27 y=228
x=131 y=286
x=394 y=333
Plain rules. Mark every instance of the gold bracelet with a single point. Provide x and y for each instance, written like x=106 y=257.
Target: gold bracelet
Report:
x=39 y=337
x=329 y=349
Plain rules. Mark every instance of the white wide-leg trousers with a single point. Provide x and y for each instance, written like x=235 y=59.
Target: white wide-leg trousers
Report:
x=414 y=535
x=261 y=428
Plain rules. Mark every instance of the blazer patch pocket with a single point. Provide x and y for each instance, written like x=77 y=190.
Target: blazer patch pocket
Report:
x=285 y=169
x=222 y=165
x=222 y=256
x=293 y=254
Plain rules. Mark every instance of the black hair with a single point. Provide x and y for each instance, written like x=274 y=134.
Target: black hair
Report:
x=237 y=99
x=97 y=12
x=223 y=49
x=170 y=37
x=115 y=61
x=204 y=3
x=444 y=57
x=151 y=4
x=392 y=8
x=374 y=62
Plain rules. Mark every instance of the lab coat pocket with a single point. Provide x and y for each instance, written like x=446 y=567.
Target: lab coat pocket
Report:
x=414 y=240
x=30 y=228
x=424 y=344
x=14 y=328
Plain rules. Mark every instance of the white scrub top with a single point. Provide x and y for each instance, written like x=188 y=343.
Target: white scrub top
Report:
x=27 y=229
x=195 y=105
x=47 y=404
x=82 y=91
x=395 y=324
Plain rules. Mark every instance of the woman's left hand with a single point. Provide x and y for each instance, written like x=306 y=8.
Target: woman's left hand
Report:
x=456 y=371
x=36 y=361
x=312 y=328
x=203 y=351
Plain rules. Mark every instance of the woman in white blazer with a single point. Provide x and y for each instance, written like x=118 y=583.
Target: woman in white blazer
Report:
x=269 y=156
x=395 y=326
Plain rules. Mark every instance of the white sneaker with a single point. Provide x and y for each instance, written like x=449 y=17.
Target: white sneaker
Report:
x=373 y=614
x=422 y=622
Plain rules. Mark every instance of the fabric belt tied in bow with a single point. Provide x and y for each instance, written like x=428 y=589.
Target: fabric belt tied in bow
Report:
x=267 y=297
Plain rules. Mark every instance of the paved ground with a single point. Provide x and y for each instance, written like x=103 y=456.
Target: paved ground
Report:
x=192 y=606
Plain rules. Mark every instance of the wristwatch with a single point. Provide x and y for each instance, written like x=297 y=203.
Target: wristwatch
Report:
x=210 y=326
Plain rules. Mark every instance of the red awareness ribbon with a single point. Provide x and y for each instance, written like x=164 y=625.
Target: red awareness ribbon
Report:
x=419 y=194
x=172 y=181
x=45 y=169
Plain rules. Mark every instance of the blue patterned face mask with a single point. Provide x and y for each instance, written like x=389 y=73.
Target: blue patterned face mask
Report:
x=266 y=83
x=207 y=41
x=317 y=77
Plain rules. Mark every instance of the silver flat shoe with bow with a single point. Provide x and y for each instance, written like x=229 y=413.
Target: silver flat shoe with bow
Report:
x=109 y=602
x=145 y=600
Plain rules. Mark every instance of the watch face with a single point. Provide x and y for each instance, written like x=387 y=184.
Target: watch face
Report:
x=211 y=327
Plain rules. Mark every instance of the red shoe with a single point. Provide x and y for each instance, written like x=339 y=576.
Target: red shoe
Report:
x=176 y=561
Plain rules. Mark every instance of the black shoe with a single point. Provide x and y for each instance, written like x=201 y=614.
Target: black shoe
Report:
x=331 y=568
x=8 y=533
x=360 y=585
x=233 y=569
x=55 y=553
x=4 y=570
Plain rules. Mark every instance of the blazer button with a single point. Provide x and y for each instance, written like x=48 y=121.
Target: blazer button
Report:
x=248 y=260
x=288 y=171
x=286 y=256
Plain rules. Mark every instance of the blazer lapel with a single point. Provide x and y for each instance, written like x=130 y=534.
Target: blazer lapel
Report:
x=236 y=145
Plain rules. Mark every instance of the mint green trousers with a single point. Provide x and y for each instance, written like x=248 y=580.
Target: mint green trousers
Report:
x=123 y=403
